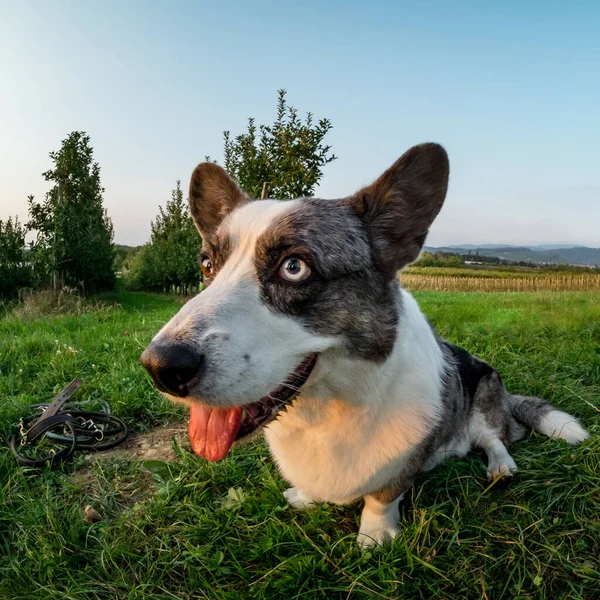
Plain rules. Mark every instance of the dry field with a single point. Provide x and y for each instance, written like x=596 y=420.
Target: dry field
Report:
x=505 y=282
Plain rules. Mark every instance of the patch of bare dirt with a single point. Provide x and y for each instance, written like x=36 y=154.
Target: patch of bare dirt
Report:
x=155 y=444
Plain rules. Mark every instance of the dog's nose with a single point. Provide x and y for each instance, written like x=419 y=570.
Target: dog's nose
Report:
x=172 y=366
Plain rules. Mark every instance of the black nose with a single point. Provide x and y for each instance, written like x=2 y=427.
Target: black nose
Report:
x=172 y=366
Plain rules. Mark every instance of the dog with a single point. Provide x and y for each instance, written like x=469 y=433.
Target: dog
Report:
x=303 y=330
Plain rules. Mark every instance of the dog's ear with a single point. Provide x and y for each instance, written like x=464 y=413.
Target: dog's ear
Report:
x=399 y=207
x=213 y=195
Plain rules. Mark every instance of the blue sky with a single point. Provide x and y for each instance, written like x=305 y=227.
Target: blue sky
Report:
x=511 y=89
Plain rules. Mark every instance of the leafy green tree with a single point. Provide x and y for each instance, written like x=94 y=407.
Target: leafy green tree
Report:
x=124 y=256
x=74 y=233
x=440 y=259
x=288 y=155
x=169 y=262
x=15 y=270
x=454 y=261
x=427 y=259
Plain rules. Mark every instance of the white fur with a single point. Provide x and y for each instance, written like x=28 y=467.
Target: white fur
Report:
x=357 y=422
x=500 y=462
x=298 y=499
x=482 y=435
x=558 y=424
x=458 y=446
x=378 y=522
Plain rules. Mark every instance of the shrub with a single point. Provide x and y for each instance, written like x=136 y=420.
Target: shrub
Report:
x=169 y=262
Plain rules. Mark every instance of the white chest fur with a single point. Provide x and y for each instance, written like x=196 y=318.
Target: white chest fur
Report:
x=356 y=425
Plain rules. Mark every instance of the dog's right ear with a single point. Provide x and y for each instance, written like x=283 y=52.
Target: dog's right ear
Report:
x=213 y=195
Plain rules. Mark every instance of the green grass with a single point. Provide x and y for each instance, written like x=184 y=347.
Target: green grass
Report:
x=197 y=530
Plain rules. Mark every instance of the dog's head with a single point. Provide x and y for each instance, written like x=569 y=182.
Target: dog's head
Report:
x=284 y=282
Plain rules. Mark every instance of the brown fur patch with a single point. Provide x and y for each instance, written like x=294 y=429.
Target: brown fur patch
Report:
x=218 y=248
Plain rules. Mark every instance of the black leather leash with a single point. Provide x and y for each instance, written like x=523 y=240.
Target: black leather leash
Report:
x=64 y=424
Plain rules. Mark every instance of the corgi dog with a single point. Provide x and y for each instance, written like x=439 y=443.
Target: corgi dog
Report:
x=304 y=331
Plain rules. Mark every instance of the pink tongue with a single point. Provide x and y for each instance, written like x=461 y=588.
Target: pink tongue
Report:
x=213 y=430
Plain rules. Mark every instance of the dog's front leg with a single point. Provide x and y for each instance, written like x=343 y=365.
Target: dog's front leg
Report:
x=378 y=521
x=298 y=499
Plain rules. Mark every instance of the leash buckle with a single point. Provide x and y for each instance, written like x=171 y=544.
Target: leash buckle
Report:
x=52 y=409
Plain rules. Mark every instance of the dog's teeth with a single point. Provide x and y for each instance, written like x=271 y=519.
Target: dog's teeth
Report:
x=244 y=415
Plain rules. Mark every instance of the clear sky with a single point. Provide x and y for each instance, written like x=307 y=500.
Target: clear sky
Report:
x=511 y=89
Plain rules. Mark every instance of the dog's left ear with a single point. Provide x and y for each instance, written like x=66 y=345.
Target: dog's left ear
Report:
x=399 y=207
x=213 y=195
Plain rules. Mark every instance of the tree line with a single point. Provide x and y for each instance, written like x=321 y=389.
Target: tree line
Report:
x=442 y=258
x=73 y=235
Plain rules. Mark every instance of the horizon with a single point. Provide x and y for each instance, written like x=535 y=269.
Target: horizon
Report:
x=517 y=112
x=550 y=246
x=467 y=246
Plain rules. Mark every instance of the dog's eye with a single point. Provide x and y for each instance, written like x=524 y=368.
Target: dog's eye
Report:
x=207 y=268
x=294 y=270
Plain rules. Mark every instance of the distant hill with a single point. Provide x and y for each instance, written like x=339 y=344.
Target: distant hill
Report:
x=486 y=246
x=555 y=255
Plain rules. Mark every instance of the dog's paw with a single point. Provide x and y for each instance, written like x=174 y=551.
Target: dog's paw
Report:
x=298 y=499
x=378 y=522
x=376 y=534
x=504 y=469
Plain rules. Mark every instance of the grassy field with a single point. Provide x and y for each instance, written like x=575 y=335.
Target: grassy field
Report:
x=189 y=529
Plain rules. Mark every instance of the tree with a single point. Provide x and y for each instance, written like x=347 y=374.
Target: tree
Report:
x=169 y=262
x=289 y=155
x=74 y=233
x=124 y=256
x=440 y=259
x=15 y=270
x=427 y=259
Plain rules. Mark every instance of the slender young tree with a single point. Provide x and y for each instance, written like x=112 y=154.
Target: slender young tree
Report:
x=74 y=233
x=169 y=261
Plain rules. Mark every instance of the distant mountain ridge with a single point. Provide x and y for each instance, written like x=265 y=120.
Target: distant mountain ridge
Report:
x=548 y=254
x=529 y=246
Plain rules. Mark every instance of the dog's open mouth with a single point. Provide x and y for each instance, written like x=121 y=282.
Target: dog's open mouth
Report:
x=213 y=430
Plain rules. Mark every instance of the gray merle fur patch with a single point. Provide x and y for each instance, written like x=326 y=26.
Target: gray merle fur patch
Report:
x=346 y=295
